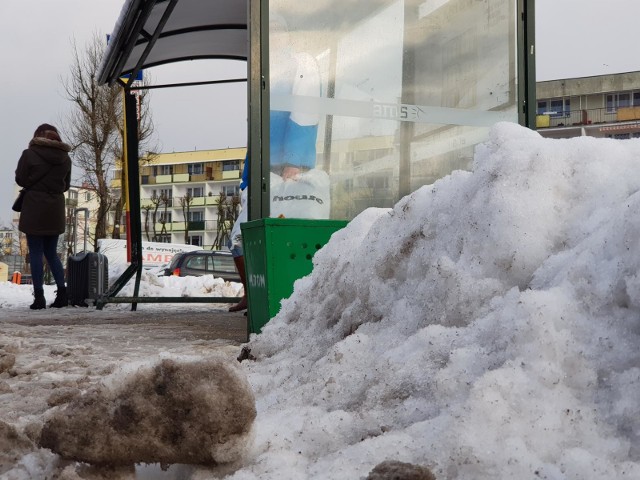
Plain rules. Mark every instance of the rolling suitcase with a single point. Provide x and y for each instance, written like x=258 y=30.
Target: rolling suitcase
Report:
x=87 y=272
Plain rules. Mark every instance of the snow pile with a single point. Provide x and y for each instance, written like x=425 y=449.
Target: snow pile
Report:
x=154 y=283
x=486 y=327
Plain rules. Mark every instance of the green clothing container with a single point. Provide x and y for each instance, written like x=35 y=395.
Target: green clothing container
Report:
x=277 y=252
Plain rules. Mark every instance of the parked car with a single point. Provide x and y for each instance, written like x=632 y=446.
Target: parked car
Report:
x=204 y=262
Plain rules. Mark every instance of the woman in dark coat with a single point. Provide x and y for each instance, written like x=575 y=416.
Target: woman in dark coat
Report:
x=44 y=169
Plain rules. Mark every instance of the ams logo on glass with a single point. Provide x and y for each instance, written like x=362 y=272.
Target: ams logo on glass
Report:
x=397 y=112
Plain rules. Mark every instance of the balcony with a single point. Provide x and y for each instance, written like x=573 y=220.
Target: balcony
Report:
x=213 y=200
x=230 y=174
x=200 y=177
x=181 y=177
x=590 y=116
x=164 y=179
x=167 y=227
x=628 y=113
x=196 y=225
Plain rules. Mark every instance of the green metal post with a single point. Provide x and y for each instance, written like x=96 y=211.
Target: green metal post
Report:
x=526 y=63
x=258 y=91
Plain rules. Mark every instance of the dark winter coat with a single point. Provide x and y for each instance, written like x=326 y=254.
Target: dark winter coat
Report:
x=43 y=210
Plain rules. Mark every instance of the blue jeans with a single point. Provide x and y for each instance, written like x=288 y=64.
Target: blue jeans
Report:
x=46 y=245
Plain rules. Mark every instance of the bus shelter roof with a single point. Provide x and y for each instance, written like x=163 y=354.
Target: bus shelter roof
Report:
x=156 y=32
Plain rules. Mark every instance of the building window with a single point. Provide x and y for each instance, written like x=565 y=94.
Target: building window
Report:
x=87 y=196
x=162 y=194
x=195 y=216
x=195 y=192
x=229 y=165
x=614 y=101
x=231 y=190
x=73 y=194
x=621 y=136
x=166 y=169
x=165 y=217
x=636 y=99
x=195 y=168
x=165 y=193
x=195 y=240
x=556 y=107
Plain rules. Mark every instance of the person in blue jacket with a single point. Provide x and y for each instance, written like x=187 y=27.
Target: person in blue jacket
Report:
x=292 y=135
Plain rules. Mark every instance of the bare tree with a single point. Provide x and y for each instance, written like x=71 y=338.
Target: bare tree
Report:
x=228 y=209
x=146 y=210
x=16 y=244
x=14 y=250
x=95 y=127
x=185 y=202
x=158 y=201
x=118 y=207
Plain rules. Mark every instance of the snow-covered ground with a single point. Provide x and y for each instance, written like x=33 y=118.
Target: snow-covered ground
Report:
x=486 y=327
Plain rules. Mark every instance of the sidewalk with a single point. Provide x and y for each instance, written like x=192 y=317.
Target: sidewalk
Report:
x=154 y=321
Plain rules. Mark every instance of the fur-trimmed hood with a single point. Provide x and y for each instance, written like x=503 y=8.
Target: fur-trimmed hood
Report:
x=46 y=142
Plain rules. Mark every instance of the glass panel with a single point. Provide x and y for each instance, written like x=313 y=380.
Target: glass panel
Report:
x=195 y=168
x=372 y=100
x=556 y=108
x=196 y=262
x=610 y=102
x=224 y=264
x=624 y=100
x=542 y=107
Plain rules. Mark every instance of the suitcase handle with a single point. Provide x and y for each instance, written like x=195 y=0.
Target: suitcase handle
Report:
x=75 y=228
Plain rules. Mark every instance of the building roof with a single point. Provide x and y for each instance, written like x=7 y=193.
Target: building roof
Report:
x=613 y=82
x=199 y=156
x=155 y=32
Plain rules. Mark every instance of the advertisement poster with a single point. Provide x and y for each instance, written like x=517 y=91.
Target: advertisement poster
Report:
x=154 y=254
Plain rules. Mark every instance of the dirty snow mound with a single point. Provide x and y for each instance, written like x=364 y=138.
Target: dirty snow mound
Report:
x=198 y=412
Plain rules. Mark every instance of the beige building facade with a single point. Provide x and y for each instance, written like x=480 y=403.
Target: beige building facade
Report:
x=603 y=106
x=187 y=184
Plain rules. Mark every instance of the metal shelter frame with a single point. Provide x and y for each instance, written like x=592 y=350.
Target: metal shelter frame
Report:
x=121 y=66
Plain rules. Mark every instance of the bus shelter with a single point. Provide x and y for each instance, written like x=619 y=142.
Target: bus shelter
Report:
x=351 y=105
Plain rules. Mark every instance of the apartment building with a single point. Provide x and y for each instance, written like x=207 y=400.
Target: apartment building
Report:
x=7 y=240
x=603 y=106
x=187 y=184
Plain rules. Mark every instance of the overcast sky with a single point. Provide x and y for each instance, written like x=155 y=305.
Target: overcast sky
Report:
x=574 y=38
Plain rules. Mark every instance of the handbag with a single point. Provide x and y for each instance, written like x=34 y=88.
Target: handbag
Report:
x=17 y=205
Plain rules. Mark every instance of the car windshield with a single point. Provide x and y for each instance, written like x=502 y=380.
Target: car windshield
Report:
x=196 y=262
x=174 y=261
